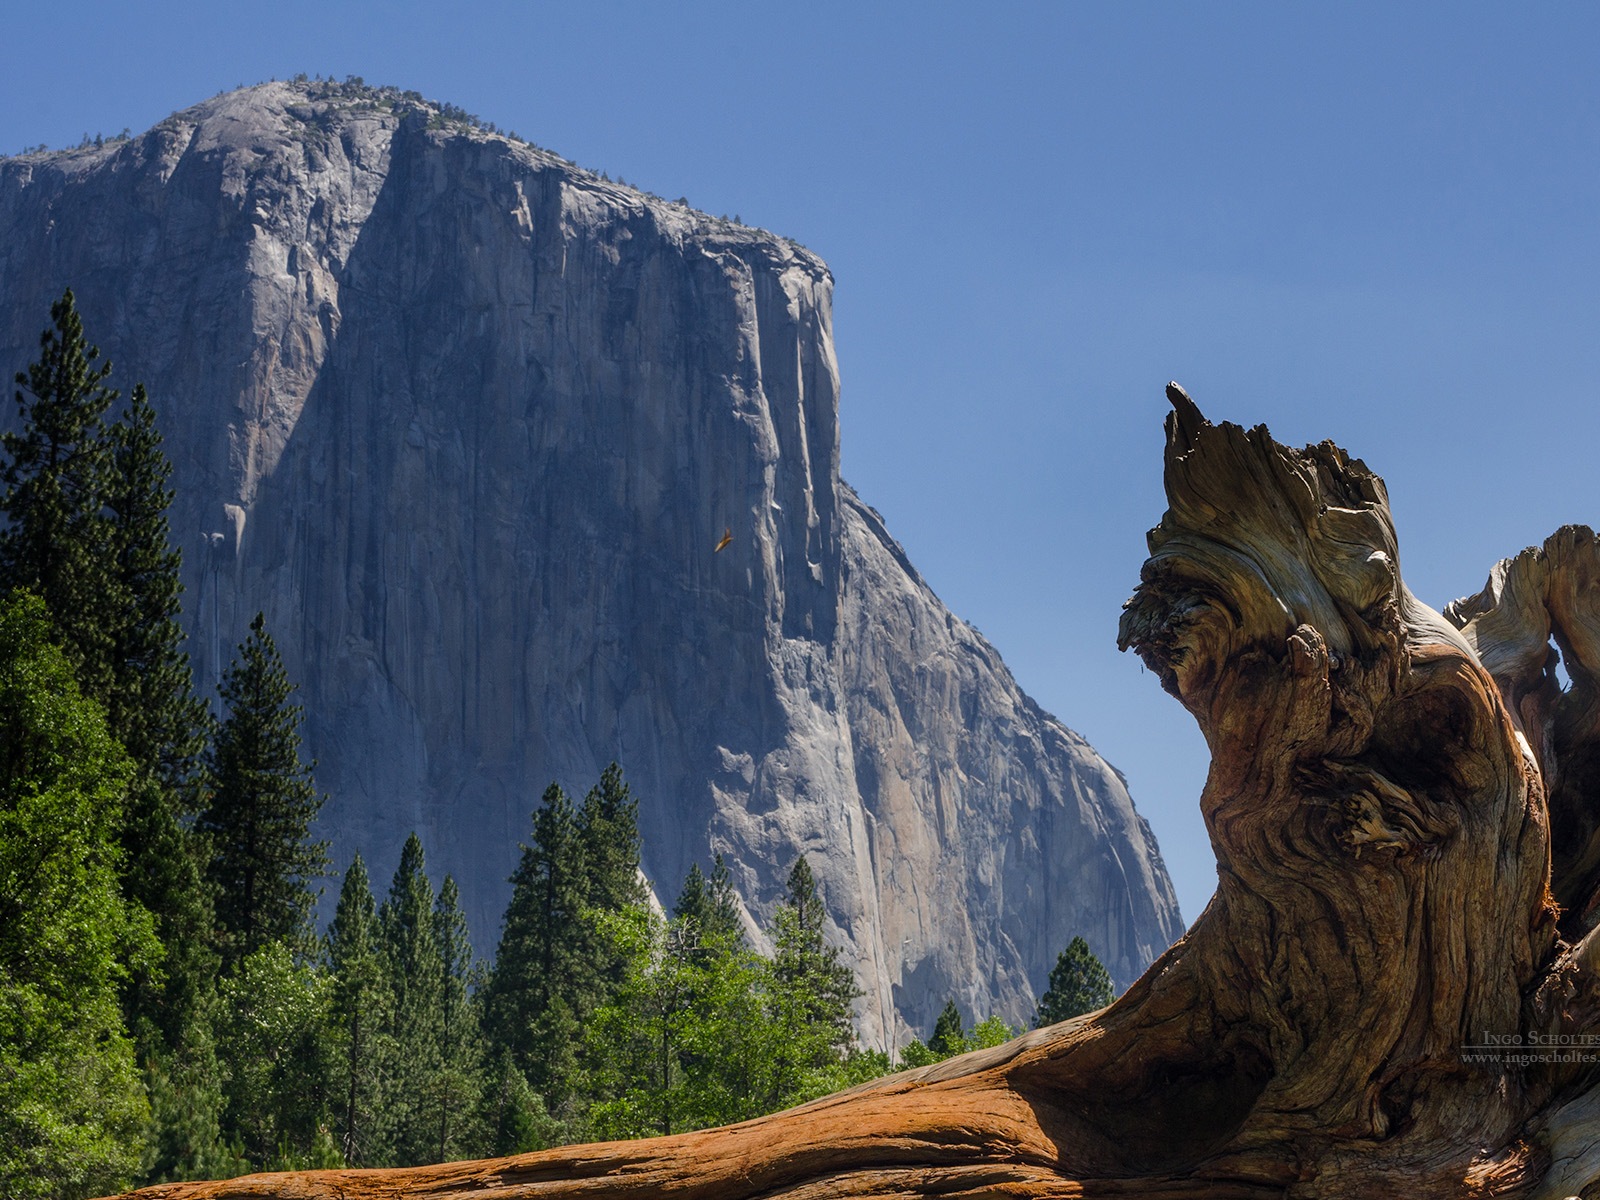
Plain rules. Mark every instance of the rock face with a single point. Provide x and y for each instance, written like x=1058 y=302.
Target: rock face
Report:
x=469 y=422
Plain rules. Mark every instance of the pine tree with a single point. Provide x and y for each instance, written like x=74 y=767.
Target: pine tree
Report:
x=608 y=829
x=459 y=1078
x=1078 y=984
x=539 y=990
x=152 y=705
x=707 y=905
x=948 y=1036
x=72 y=1111
x=163 y=725
x=57 y=474
x=263 y=862
x=415 y=971
x=187 y=1103
x=694 y=900
x=608 y=837
x=360 y=1006
x=721 y=918
x=811 y=990
x=88 y=532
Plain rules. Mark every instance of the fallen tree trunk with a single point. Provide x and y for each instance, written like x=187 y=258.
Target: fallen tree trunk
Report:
x=1390 y=994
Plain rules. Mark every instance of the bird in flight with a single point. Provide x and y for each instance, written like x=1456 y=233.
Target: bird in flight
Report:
x=727 y=536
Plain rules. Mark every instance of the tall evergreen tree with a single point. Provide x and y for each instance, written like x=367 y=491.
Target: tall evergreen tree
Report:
x=56 y=474
x=88 y=531
x=72 y=1111
x=693 y=898
x=707 y=905
x=811 y=991
x=163 y=725
x=359 y=1005
x=263 y=862
x=721 y=918
x=608 y=839
x=151 y=703
x=948 y=1036
x=415 y=971
x=608 y=829
x=1078 y=984
x=543 y=978
x=459 y=1079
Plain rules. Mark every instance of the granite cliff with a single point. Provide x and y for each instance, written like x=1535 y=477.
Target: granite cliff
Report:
x=467 y=422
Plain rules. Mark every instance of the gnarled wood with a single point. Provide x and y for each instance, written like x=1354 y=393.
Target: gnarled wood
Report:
x=1377 y=802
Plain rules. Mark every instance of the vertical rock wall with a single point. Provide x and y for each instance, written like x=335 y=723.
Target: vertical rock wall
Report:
x=469 y=422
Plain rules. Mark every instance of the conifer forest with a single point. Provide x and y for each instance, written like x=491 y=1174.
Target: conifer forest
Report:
x=169 y=1006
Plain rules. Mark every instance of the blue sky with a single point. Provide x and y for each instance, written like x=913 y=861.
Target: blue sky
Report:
x=1374 y=223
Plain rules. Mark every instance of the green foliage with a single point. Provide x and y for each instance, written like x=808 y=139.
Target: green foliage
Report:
x=700 y=1033
x=949 y=1038
x=152 y=706
x=517 y=1118
x=456 y=1088
x=58 y=540
x=263 y=863
x=72 y=1111
x=543 y=978
x=185 y=1086
x=163 y=725
x=88 y=532
x=555 y=962
x=273 y=1018
x=608 y=831
x=730 y=1050
x=608 y=838
x=948 y=1035
x=636 y=1040
x=857 y=1067
x=917 y=1054
x=707 y=906
x=991 y=1031
x=1078 y=984
x=415 y=974
x=359 y=1007
x=810 y=992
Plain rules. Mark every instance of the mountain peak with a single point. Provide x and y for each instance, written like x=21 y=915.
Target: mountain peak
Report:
x=469 y=423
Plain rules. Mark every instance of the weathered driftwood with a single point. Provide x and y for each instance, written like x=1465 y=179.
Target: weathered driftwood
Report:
x=1385 y=791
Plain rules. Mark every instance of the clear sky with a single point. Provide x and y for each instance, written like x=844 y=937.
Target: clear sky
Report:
x=1376 y=223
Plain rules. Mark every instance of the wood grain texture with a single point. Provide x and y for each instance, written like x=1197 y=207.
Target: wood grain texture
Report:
x=1380 y=803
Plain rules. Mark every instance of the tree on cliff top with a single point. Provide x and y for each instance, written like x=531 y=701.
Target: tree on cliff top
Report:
x=264 y=864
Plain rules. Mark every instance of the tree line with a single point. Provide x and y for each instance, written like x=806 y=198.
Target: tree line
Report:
x=168 y=1009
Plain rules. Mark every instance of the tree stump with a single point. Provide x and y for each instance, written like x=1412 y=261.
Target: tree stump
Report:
x=1393 y=990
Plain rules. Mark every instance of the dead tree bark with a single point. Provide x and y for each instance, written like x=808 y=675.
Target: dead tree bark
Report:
x=1386 y=787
